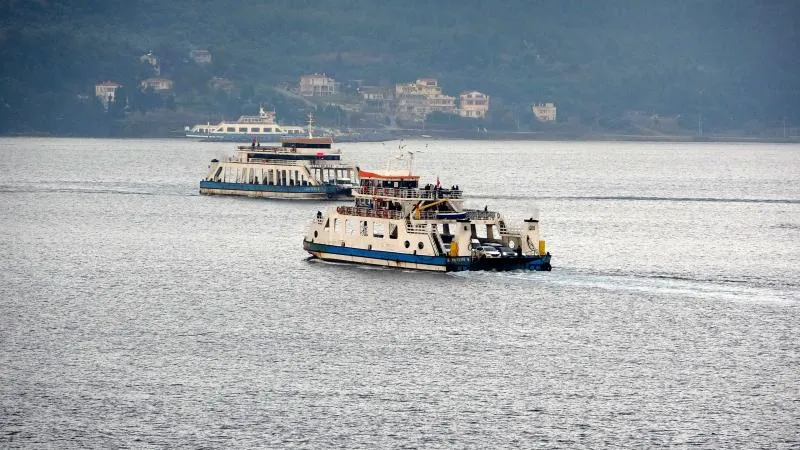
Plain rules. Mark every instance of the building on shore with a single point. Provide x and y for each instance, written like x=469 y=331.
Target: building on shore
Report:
x=544 y=112
x=157 y=84
x=418 y=99
x=473 y=105
x=106 y=92
x=317 y=85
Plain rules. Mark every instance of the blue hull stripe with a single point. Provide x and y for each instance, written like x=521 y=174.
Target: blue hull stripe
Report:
x=388 y=256
x=456 y=263
x=272 y=188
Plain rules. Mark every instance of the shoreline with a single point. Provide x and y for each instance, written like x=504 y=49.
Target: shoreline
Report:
x=399 y=134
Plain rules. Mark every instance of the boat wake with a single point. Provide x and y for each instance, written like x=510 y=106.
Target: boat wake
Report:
x=747 y=290
x=787 y=226
x=102 y=190
x=633 y=198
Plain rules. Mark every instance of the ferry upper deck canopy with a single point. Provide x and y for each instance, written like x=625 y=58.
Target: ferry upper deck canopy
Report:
x=401 y=179
x=307 y=142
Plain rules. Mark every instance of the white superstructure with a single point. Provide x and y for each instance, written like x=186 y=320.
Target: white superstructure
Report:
x=262 y=127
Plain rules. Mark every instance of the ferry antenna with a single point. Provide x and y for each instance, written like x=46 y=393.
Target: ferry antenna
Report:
x=310 y=123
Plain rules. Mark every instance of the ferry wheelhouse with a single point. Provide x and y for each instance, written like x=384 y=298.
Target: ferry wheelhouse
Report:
x=396 y=222
x=300 y=168
x=261 y=127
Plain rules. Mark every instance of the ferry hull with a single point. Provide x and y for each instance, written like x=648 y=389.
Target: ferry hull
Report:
x=423 y=262
x=273 y=191
x=239 y=137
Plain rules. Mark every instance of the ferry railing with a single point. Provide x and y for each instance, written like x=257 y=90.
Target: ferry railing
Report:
x=476 y=214
x=272 y=149
x=369 y=212
x=417 y=229
x=424 y=215
x=270 y=162
x=285 y=162
x=389 y=214
x=510 y=231
x=410 y=193
x=331 y=165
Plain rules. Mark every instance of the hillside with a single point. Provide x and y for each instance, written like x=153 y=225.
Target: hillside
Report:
x=732 y=62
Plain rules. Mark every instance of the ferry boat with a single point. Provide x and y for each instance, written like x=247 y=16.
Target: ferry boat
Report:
x=395 y=222
x=300 y=168
x=261 y=127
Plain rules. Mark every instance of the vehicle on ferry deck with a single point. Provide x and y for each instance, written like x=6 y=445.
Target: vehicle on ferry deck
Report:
x=395 y=222
x=488 y=251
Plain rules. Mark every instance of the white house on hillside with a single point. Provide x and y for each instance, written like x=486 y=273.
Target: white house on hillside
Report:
x=545 y=112
x=473 y=104
x=317 y=85
x=106 y=91
x=158 y=84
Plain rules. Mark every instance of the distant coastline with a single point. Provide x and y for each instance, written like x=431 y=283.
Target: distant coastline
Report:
x=578 y=136
x=373 y=135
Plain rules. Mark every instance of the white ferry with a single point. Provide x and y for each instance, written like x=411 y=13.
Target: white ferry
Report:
x=261 y=127
x=395 y=222
x=300 y=168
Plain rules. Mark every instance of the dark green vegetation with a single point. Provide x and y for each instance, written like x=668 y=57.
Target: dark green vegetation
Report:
x=732 y=62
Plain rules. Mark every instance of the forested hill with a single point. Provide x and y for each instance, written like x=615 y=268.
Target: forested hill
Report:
x=733 y=61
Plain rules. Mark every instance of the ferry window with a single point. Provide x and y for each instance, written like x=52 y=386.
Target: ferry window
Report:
x=392 y=231
x=231 y=129
x=349 y=226
x=377 y=230
x=255 y=130
x=243 y=129
x=364 y=228
x=407 y=244
x=420 y=246
x=337 y=227
x=328 y=223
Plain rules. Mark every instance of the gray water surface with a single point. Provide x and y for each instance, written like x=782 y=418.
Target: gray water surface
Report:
x=135 y=312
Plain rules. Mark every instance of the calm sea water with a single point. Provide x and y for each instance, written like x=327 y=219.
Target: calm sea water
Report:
x=135 y=312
